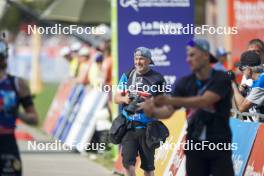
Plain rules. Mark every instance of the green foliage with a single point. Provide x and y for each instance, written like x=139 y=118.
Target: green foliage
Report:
x=12 y=18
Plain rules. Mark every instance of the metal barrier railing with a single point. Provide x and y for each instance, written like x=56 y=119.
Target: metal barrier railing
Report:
x=247 y=115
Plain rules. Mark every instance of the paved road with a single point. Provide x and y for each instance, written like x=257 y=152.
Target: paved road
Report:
x=55 y=163
x=60 y=164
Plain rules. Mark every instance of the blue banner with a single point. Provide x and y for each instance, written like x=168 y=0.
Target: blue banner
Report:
x=155 y=24
x=244 y=135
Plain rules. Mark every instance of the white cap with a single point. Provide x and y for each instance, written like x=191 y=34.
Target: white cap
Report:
x=65 y=51
x=84 y=51
x=75 y=46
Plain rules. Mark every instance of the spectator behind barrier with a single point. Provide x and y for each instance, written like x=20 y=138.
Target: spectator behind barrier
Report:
x=221 y=55
x=66 y=53
x=96 y=72
x=252 y=68
x=257 y=46
x=85 y=62
x=107 y=64
x=74 y=63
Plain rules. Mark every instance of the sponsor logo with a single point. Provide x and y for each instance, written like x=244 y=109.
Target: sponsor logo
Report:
x=128 y=3
x=251 y=170
x=238 y=162
x=170 y=79
x=159 y=55
x=137 y=4
x=151 y=28
x=176 y=28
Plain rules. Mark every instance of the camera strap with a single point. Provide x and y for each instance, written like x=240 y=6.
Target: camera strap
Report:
x=202 y=88
x=134 y=76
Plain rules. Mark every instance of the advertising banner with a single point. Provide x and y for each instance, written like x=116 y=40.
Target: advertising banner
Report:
x=57 y=105
x=155 y=24
x=248 y=17
x=169 y=158
x=255 y=165
x=244 y=135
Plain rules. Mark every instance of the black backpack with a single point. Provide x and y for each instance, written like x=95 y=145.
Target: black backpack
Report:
x=156 y=133
x=118 y=129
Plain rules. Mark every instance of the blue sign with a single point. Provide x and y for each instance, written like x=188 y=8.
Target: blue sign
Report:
x=244 y=135
x=155 y=24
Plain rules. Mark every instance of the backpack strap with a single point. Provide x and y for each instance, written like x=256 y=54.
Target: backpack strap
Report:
x=130 y=73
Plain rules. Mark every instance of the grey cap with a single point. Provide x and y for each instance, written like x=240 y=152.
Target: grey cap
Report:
x=202 y=45
x=221 y=51
x=144 y=52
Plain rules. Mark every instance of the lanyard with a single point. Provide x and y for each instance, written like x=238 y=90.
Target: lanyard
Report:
x=202 y=88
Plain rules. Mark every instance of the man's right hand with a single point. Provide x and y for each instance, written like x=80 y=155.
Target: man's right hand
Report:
x=121 y=98
x=242 y=87
x=151 y=110
x=126 y=99
x=148 y=107
x=161 y=100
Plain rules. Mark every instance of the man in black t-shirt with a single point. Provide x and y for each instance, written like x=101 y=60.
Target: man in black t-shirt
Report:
x=143 y=81
x=206 y=93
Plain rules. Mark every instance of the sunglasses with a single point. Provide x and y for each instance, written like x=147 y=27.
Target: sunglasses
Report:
x=243 y=68
x=257 y=51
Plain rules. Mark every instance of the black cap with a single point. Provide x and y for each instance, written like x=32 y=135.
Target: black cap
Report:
x=249 y=58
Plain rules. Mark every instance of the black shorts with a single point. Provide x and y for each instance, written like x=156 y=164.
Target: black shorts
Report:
x=10 y=162
x=134 y=142
x=205 y=163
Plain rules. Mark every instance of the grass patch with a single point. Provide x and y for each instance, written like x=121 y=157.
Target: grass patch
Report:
x=44 y=99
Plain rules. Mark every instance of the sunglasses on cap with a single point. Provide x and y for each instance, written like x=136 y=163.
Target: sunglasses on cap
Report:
x=243 y=68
